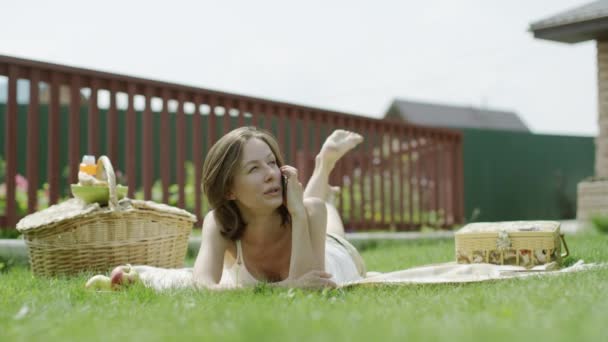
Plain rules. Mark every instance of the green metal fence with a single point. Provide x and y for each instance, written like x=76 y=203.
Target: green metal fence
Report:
x=523 y=176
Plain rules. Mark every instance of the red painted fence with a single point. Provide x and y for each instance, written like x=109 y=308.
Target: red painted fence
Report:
x=401 y=177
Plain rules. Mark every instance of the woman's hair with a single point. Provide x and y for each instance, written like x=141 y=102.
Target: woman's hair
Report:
x=219 y=169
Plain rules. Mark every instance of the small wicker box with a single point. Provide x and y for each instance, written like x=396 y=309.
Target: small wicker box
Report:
x=74 y=236
x=523 y=243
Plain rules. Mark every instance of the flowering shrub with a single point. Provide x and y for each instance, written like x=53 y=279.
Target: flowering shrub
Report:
x=21 y=186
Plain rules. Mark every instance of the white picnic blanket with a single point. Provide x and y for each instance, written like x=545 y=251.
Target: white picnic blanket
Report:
x=165 y=279
x=452 y=272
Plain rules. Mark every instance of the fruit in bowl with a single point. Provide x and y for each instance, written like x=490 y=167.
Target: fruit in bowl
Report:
x=99 y=194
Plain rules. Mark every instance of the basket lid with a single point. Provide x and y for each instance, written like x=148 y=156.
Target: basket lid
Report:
x=74 y=208
x=510 y=227
x=164 y=208
x=66 y=210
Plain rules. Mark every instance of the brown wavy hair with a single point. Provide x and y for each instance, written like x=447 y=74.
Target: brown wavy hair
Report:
x=219 y=169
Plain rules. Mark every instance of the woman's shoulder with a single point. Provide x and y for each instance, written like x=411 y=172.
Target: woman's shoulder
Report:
x=209 y=221
x=211 y=226
x=212 y=229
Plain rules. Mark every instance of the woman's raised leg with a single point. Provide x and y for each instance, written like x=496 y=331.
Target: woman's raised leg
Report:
x=334 y=147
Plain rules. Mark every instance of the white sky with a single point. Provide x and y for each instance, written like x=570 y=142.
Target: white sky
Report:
x=352 y=56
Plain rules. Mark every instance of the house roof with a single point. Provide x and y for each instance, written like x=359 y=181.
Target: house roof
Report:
x=437 y=115
x=586 y=22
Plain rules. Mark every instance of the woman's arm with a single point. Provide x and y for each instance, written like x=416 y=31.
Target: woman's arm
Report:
x=302 y=251
x=208 y=267
x=317 y=228
x=308 y=248
x=308 y=224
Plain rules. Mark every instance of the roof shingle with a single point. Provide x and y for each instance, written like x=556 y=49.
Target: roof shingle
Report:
x=435 y=115
x=587 y=22
x=594 y=10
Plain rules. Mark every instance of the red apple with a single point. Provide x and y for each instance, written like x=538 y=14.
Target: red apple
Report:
x=123 y=275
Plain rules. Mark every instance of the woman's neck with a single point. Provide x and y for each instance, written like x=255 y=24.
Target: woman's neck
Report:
x=263 y=228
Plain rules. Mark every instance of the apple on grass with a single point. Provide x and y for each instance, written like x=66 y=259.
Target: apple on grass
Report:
x=99 y=283
x=123 y=275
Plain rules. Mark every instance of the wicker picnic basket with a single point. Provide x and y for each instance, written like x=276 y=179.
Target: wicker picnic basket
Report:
x=74 y=236
x=522 y=243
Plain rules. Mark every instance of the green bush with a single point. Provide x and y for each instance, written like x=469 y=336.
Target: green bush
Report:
x=6 y=264
x=600 y=223
x=9 y=233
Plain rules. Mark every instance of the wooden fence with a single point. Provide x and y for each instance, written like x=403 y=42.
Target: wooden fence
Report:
x=402 y=176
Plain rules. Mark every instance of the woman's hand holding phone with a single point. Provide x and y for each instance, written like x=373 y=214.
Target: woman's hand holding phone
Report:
x=293 y=194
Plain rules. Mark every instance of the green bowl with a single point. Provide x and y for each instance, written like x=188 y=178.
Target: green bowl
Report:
x=99 y=194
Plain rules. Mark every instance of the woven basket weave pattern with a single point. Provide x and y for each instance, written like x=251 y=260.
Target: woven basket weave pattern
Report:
x=526 y=248
x=107 y=237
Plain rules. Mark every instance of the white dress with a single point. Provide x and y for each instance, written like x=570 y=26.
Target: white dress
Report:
x=342 y=261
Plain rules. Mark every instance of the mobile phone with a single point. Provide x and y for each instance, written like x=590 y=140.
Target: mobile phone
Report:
x=284 y=187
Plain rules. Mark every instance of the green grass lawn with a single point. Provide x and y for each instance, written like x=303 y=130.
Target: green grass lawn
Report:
x=566 y=308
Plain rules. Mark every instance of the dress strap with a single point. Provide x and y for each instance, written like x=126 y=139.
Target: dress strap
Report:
x=239 y=262
x=239 y=252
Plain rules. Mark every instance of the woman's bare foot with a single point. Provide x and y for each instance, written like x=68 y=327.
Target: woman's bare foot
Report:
x=337 y=144
x=334 y=147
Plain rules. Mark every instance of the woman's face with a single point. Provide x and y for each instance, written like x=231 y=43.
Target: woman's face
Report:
x=257 y=182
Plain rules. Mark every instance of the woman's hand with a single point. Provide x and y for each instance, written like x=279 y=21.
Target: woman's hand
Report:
x=313 y=280
x=294 y=195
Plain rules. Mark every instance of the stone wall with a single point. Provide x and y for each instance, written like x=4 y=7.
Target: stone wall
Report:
x=592 y=196
x=592 y=199
x=601 y=142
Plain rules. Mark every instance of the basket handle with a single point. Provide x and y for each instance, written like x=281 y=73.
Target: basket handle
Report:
x=105 y=171
x=565 y=254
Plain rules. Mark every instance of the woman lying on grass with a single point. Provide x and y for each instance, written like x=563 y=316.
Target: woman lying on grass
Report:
x=264 y=227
